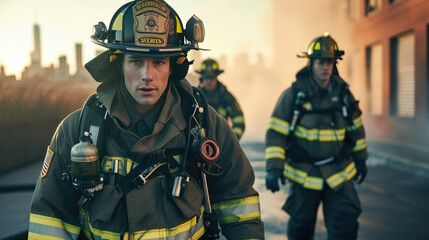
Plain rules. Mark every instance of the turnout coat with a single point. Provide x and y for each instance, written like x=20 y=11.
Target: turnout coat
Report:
x=149 y=212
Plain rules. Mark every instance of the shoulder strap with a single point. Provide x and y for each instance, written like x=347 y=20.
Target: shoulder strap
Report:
x=350 y=105
x=93 y=119
x=201 y=100
x=297 y=112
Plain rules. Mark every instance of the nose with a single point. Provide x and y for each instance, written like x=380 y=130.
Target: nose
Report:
x=147 y=71
x=327 y=64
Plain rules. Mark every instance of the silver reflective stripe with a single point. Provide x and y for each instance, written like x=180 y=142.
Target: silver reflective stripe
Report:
x=194 y=232
x=44 y=232
x=239 y=210
x=138 y=49
x=185 y=231
x=324 y=161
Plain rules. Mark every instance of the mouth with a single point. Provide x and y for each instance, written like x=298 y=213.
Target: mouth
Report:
x=146 y=90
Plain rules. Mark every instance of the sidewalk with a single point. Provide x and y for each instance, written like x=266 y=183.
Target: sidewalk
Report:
x=401 y=155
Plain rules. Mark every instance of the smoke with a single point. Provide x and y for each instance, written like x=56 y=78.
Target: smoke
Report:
x=291 y=25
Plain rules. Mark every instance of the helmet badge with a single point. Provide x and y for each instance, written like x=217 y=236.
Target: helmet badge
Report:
x=327 y=47
x=151 y=24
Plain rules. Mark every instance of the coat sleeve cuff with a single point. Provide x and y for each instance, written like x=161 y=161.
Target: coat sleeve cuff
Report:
x=275 y=164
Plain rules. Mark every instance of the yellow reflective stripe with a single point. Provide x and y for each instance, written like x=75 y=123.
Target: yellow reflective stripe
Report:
x=238 y=210
x=41 y=225
x=117 y=25
x=179 y=232
x=317 y=46
x=360 y=144
x=294 y=174
x=323 y=135
x=125 y=164
x=200 y=231
x=238 y=120
x=238 y=131
x=236 y=202
x=348 y=173
x=35 y=236
x=178 y=26
x=54 y=222
x=278 y=125
x=102 y=234
x=240 y=218
x=275 y=152
x=222 y=112
x=302 y=178
x=358 y=122
x=314 y=183
x=165 y=232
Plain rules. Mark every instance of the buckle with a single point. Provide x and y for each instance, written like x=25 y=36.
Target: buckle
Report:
x=324 y=161
x=157 y=157
x=139 y=181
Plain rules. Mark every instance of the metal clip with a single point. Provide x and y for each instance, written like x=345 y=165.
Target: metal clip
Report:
x=344 y=109
x=177 y=186
x=139 y=181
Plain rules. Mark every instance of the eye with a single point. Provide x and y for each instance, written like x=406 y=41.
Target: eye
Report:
x=136 y=62
x=159 y=62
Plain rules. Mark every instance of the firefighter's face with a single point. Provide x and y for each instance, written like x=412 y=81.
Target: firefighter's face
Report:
x=322 y=71
x=210 y=83
x=146 y=79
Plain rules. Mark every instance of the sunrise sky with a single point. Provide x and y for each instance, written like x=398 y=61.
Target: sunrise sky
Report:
x=63 y=23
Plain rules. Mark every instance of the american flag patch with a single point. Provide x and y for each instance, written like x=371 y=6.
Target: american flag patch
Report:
x=47 y=162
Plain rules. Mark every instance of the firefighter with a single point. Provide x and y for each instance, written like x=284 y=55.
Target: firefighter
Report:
x=315 y=139
x=167 y=166
x=219 y=97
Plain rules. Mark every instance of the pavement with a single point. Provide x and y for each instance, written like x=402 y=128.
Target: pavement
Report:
x=401 y=155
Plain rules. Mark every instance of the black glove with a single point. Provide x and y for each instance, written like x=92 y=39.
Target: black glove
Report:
x=272 y=179
x=361 y=171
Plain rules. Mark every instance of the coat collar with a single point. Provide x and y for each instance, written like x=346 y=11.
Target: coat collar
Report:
x=170 y=123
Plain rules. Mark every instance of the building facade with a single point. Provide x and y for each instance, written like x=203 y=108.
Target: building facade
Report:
x=391 y=38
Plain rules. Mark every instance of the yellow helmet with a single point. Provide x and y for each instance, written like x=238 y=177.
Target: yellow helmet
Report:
x=323 y=47
x=209 y=69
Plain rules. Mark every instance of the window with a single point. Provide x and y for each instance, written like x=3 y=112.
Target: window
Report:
x=372 y=6
x=403 y=84
x=374 y=56
x=353 y=10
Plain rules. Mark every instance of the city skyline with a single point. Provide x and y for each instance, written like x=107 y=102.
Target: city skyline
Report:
x=61 y=29
x=36 y=71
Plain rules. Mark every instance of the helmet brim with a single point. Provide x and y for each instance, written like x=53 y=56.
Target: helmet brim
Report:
x=305 y=55
x=214 y=74
x=145 y=51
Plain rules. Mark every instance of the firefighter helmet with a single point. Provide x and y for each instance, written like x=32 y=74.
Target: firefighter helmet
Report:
x=322 y=47
x=149 y=28
x=209 y=69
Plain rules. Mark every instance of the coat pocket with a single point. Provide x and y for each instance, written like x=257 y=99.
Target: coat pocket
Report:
x=190 y=200
x=106 y=207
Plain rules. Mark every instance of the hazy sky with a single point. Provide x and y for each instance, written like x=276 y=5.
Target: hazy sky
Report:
x=63 y=23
